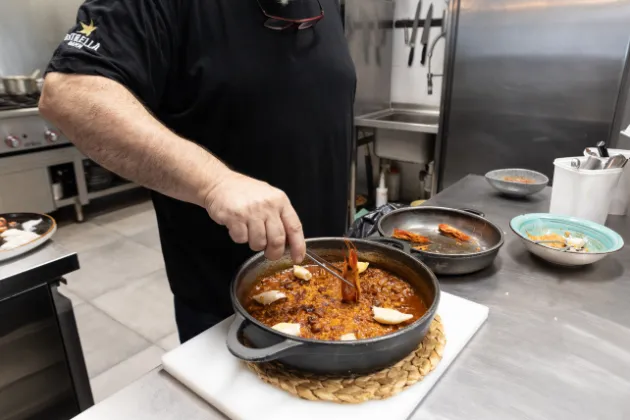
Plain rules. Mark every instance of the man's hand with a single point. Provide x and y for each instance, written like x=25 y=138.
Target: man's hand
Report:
x=256 y=213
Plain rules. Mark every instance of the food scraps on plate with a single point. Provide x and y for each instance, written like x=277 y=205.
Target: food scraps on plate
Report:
x=561 y=242
x=519 y=179
x=14 y=234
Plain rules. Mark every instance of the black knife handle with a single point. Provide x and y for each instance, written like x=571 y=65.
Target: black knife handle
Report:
x=410 y=62
x=424 y=54
x=603 y=151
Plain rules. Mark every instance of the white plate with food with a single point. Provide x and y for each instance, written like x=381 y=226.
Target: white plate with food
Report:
x=22 y=232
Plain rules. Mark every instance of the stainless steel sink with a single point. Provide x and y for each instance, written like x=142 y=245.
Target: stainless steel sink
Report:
x=424 y=121
x=406 y=135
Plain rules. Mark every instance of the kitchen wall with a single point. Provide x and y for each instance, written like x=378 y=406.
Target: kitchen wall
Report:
x=409 y=84
x=30 y=30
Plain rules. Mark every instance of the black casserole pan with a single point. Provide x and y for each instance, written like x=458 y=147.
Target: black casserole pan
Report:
x=331 y=357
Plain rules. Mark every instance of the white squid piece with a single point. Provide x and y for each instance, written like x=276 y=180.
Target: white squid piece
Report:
x=288 y=328
x=389 y=316
x=267 y=298
x=348 y=337
x=576 y=243
x=29 y=226
x=302 y=273
x=10 y=233
x=14 y=238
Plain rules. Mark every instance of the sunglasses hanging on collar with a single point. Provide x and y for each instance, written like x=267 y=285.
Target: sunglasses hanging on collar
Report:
x=292 y=14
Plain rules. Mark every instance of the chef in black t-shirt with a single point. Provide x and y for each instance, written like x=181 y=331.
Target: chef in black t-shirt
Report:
x=236 y=113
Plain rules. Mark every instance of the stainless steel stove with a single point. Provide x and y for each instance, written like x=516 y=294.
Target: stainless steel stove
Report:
x=29 y=147
x=23 y=130
x=39 y=170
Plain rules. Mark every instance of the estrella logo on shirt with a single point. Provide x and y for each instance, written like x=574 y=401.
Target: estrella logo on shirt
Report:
x=81 y=39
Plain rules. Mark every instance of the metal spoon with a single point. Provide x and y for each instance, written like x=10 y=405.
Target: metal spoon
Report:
x=590 y=152
x=575 y=164
x=327 y=266
x=593 y=163
x=616 y=161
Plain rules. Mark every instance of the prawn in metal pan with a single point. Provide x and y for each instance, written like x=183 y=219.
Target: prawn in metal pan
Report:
x=449 y=230
x=410 y=236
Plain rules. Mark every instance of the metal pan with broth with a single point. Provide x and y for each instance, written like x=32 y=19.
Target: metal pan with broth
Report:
x=443 y=253
x=440 y=234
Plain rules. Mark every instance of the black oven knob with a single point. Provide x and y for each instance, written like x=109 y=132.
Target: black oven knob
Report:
x=12 y=142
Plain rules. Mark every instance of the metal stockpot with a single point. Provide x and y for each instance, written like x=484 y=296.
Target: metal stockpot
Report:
x=22 y=85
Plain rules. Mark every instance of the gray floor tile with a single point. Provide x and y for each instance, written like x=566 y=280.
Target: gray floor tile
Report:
x=105 y=342
x=169 y=342
x=144 y=305
x=149 y=237
x=76 y=300
x=128 y=221
x=139 y=198
x=126 y=372
x=112 y=266
x=79 y=237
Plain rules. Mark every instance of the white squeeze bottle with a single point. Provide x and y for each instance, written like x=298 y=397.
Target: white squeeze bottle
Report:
x=381 y=191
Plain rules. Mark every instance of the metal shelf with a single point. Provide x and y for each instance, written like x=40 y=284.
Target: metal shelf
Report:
x=97 y=194
x=66 y=201
x=112 y=190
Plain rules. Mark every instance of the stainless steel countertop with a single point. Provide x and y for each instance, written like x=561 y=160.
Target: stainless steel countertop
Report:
x=44 y=264
x=556 y=344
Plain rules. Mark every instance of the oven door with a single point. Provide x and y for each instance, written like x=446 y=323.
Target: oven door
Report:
x=35 y=380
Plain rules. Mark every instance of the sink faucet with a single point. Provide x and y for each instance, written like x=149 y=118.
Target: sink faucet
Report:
x=430 y=75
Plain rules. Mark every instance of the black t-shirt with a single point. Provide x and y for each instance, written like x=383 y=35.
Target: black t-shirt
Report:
x=276 y=106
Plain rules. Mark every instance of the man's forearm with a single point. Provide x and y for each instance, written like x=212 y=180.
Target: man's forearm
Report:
x=109 y=125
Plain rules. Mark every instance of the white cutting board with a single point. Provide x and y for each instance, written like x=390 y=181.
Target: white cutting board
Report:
x=205 y=365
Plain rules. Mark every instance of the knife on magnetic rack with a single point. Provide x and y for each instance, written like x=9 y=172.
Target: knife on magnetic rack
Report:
x=414 y=32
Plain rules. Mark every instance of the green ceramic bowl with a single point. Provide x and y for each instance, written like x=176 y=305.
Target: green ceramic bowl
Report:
x=601 y=241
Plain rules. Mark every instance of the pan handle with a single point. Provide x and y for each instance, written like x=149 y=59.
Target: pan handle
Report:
x=238 y=349
x=404 y=246
x=393 y=242
x=475 y=212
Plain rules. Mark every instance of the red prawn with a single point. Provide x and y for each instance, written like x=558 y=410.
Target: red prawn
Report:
x=350 y=273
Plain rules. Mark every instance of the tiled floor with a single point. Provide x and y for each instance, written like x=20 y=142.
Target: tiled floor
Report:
x=122 y=302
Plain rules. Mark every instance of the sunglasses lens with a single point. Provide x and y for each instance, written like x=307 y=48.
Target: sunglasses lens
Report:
x=277 y=25
x=306 y=25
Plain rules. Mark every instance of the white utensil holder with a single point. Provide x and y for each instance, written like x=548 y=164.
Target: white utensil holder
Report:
x=582 y=193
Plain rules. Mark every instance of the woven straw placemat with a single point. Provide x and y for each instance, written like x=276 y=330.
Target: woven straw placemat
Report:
x=354 y=390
